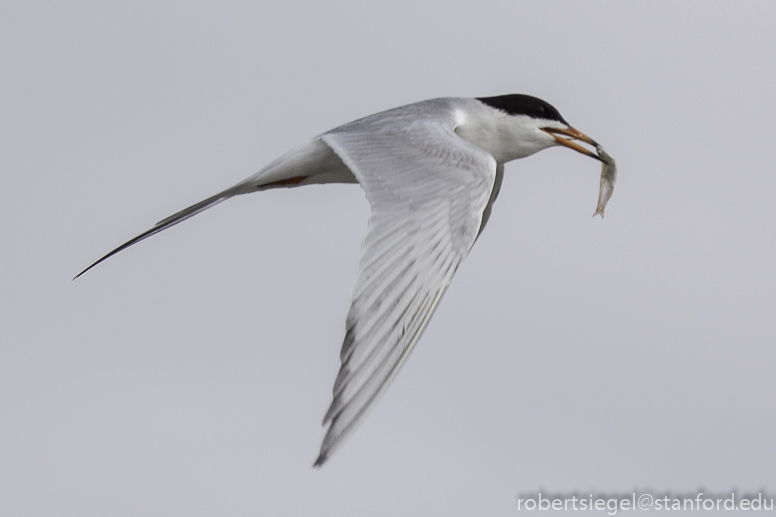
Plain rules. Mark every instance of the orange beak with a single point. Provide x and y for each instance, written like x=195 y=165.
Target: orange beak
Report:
x=573 y=134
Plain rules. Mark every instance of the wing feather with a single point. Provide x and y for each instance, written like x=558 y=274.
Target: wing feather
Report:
x=428 y=190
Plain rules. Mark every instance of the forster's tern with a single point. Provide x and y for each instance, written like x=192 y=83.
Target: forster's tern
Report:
x=431 y=172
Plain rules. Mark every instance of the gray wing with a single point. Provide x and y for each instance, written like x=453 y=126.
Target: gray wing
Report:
x=428 y=189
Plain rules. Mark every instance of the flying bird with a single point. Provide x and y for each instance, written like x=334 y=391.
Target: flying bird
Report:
x=431 y=172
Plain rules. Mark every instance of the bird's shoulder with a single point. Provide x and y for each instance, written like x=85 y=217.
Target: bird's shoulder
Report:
x=444 y=111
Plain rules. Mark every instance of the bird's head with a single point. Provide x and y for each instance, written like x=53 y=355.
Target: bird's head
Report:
x=530 y=125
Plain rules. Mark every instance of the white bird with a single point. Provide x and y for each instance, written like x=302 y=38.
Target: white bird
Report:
x=431 y=171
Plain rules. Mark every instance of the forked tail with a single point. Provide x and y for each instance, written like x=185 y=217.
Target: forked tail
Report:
x=170 y=221
x=313 y=162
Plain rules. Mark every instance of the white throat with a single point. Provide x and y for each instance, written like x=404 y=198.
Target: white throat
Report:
x=506 y=137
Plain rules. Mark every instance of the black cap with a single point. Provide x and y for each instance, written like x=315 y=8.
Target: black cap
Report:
x=518 y=104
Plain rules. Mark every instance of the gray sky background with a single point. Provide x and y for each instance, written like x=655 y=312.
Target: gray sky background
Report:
x=189 y=375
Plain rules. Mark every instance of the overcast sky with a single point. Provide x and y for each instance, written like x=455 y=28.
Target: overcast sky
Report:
x=189 y=375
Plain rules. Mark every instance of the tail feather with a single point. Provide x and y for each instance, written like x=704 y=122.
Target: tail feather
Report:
x=168 y=222
x=314 y=162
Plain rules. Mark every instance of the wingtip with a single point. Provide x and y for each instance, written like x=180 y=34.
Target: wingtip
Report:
x=320 y=461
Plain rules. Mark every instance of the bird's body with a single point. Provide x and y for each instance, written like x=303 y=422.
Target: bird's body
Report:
x=431 y=172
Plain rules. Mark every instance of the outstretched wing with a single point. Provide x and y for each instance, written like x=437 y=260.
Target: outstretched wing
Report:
x=428 y=189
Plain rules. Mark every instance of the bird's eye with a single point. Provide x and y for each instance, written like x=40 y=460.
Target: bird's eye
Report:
x=540 y=110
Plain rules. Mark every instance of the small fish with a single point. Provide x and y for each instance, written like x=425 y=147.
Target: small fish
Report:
x=608 y=177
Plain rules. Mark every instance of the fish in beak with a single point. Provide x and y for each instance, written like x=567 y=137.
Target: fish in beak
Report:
x=608 y=166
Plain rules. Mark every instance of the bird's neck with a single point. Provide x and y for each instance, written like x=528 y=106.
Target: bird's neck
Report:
x=505 y=137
